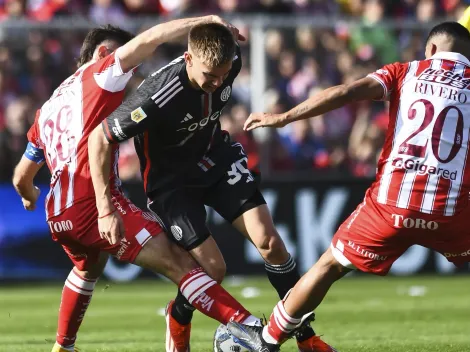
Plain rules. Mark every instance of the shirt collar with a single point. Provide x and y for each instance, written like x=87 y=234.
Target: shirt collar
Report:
x=447 y=55
x=185 y=78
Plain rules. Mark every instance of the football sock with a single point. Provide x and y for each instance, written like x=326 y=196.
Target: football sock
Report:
x=211 y=299
x=182 y=310
x=76 y=297
x=280 y=325
x=283 y=276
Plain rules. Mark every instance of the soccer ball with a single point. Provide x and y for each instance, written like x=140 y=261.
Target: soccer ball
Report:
x=223 y=341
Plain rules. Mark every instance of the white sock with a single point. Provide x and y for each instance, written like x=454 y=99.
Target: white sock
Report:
x=252 y=321
x=268 y=338
x=70 y=348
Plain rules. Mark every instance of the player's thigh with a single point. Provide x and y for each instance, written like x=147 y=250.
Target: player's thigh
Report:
x=75 y=234
x=139 y=228
x=183 y=216
x=81 y=239
x=86 y=260
x=235 y=192
x=239 y=201
x=89 y=262
x=96 y=268
x=209 y=257
x=448 y=235
x=257 y=225
x=163 y=256
x=367 y=240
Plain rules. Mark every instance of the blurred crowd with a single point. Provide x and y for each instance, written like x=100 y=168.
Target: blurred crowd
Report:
x=300 y=62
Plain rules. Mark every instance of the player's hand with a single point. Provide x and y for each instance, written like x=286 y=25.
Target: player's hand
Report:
x=235 y=31
x=30 y=204
x=111 y=227
x=262 y=119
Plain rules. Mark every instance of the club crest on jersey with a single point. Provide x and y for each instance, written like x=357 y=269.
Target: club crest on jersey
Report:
x=138 y=115
x=382 y=72
x=225 y=95
x=177 y=232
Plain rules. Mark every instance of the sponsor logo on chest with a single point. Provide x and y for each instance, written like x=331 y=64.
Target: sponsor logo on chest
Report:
x=197 y=125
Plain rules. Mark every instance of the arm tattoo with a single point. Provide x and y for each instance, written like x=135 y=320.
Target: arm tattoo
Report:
x=302 y=109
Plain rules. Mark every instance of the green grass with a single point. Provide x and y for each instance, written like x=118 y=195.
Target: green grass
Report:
x=361 y=314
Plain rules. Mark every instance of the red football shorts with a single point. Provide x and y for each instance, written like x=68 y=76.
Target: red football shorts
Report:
x=76 y=229
x=375 y=235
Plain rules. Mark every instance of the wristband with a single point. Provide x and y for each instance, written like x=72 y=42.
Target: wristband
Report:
x=101 y=217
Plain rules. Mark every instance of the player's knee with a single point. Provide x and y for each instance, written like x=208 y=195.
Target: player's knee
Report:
x=217 y=271
x=95 y=270
x=272 y=249
x=331 y=266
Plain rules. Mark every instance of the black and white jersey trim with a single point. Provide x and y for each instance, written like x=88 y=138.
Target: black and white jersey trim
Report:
x=168 y=92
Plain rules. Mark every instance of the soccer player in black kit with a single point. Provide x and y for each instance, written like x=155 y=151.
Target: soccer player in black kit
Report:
x=188 y=162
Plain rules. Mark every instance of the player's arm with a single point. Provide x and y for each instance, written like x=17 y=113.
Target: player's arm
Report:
x=99 y=151
x=127 y=121
x=330 y=99
x=143 y=45
x=465 y=19
x=136 y=115
x=110 y=224
x=23 y=176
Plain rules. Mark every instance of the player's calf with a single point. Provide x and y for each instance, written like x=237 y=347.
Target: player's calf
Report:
x=203 y=292
x=76 y=296
x=209 y=257
x=257 y=225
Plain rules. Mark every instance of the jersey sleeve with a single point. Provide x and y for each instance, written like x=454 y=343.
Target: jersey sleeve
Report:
x=109 y=75
x=34 y=138
x=34 y=150
x=34 y=153
x=388 y=76
x=141 y=111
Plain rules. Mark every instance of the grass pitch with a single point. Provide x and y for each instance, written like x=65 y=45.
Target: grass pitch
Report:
x=361 y=314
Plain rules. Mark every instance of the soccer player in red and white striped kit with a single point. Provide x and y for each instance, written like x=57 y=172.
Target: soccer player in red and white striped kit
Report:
x=59 y=137
x=421 y=192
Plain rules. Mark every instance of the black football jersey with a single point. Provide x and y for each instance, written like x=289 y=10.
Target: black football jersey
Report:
x=176 y=127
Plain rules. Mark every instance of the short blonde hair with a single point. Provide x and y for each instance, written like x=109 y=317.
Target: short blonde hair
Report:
x=213 y=43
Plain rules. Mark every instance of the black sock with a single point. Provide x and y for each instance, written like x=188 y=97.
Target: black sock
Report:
x=182 y=310
x=283 y=277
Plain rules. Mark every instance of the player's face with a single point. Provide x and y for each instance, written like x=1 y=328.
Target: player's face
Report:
x=206 y=77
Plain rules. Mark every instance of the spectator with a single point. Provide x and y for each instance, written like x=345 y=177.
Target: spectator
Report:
x=107 y=11
x=371 y=39
x=300 y=61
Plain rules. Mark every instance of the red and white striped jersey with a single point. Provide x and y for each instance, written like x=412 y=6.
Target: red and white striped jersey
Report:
x=423 y=165
x=62 y=126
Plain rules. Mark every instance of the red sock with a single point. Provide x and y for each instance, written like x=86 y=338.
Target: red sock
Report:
x=211 y=299
x=76 y=297
x=280 y=325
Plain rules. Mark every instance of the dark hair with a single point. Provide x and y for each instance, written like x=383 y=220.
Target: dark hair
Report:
x=97 y=36
x=452 y=29
x=213 y=43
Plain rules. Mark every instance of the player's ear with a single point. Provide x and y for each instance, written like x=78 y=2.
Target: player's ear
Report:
x=102 y=51
x=430 y=50
x=188 y=58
